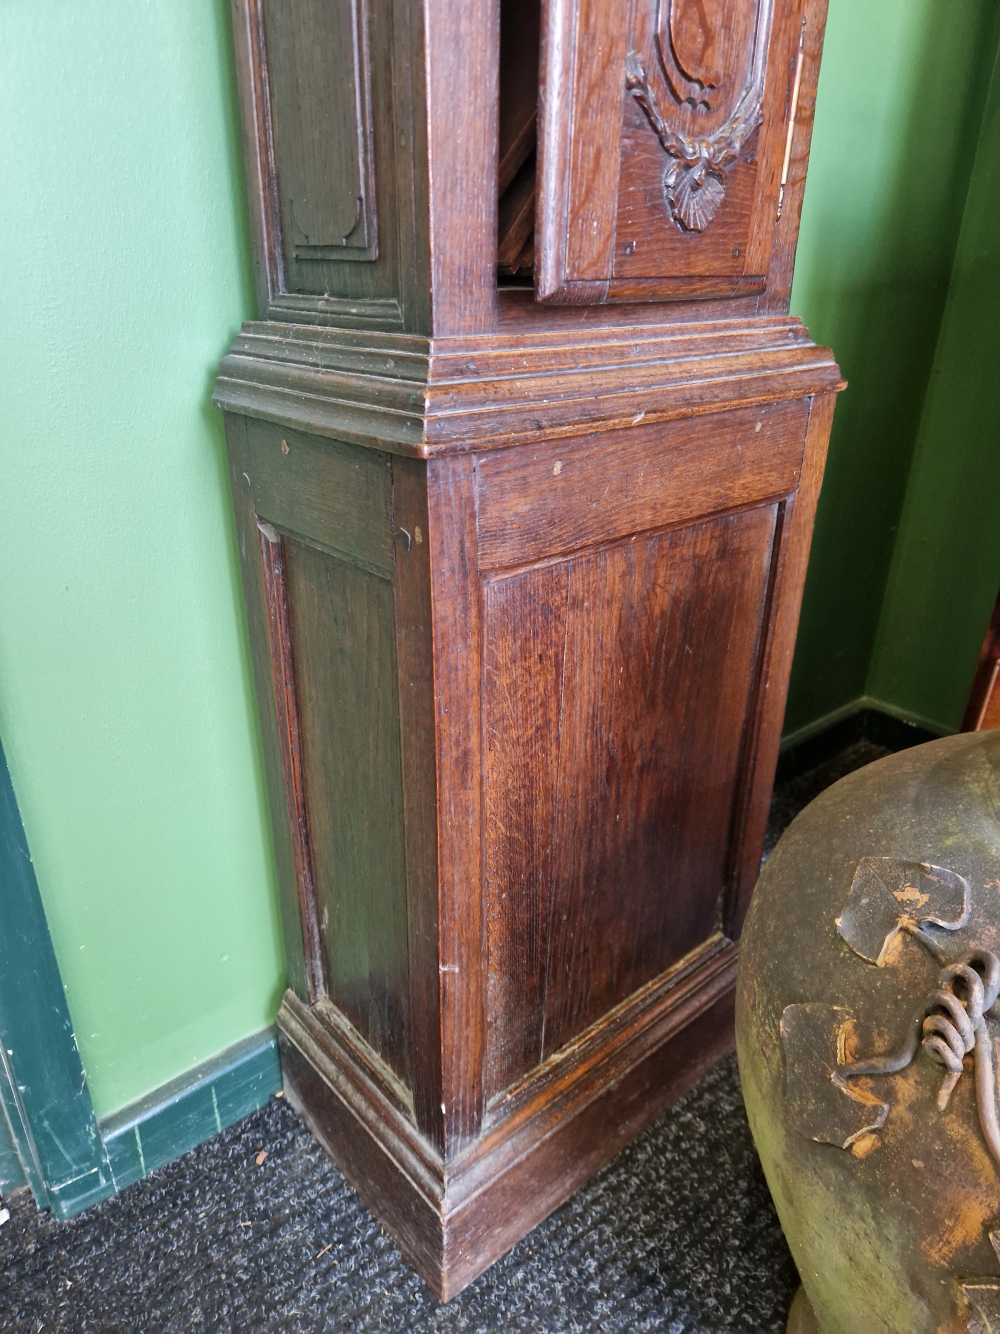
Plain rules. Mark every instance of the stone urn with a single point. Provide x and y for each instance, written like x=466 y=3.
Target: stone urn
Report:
x=867 y=1035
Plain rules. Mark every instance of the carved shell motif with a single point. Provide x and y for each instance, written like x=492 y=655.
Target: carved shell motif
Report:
x=693 y=193
x=692 y=68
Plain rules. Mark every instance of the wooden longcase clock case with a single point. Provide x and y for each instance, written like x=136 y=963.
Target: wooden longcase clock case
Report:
x=525 y=454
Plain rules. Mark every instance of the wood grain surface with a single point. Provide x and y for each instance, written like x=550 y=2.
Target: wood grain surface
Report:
x=343 y=643
x=522 y=576
x=616 y=685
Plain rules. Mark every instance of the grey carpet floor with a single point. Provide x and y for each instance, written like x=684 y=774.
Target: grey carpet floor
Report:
x=677 y=1234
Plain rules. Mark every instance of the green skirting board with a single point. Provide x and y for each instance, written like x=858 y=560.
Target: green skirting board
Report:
x=184 y=1113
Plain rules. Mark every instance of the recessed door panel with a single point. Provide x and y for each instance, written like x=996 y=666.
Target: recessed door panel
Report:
x=616 y=690
x=661 y=138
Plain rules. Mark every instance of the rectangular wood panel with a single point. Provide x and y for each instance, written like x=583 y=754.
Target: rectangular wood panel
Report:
x=330 y=493
x=663 y=130
x=343 y=649
x=563 y=495
x=319 y=76
x=616 y=686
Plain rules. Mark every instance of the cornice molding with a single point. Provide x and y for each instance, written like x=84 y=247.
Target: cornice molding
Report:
x=424 y=397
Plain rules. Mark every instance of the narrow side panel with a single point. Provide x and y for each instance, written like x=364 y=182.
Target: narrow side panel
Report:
x=256 y=604
x=415 y=661
x=457 y=650
x=792 y=558
x=323 y=518
x=343 y=649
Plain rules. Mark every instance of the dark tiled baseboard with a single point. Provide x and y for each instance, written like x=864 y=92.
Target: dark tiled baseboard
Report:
x=191 y=1109
x=866 y=723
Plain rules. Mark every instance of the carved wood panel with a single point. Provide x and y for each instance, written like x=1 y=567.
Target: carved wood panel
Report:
x=661 y=144
x=703 y=96
x=616 y=687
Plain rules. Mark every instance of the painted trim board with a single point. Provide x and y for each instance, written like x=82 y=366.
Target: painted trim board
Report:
x=180 y=1115
x=864 y=703
x=43 y=1089
x=11 y=1172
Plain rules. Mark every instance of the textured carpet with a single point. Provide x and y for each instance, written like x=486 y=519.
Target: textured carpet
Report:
x=677 y=1234
x=795 y=794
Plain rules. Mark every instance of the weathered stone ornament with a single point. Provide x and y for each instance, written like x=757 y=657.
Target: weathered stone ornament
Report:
x=868 y=1024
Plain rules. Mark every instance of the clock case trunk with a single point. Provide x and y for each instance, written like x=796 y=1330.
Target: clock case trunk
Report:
x=522 y=567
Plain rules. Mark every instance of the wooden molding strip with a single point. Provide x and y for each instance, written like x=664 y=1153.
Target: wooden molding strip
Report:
x=282 y=673
x=432 y=1206
x=530 y=1111
x=426 y=397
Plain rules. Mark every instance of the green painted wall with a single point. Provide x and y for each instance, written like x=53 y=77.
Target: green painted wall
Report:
x=124 y=678
x=946 y=566
x=898 y=114
x=125 y=698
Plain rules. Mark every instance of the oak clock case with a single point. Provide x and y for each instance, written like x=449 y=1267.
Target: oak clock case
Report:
x=525 y=452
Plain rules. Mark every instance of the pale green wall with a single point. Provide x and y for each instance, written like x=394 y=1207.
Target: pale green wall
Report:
x=125 y=701
x=124 y=689
x=899 y=109
x=946 y=566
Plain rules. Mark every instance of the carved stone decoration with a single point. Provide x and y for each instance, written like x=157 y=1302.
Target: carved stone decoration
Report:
x=870 y=970
x=817 y=1040
x=712 y=62
x=948 y=1025
x=888 y=897
x=984 y=1298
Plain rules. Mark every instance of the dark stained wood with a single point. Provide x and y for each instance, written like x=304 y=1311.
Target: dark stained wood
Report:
x=415 y=656
x=579 y=130
x=427 y=397
x=452 y=1220
x=369 y=1137
x=554 y=1146
x=522 y=577
x=335 y=496
x=463 y=75
x=458 y=722
x=983 y=709
x=305 y=94
x=319 y=74
x=518 y=95
x=768 y=709
x=255 y=601
x=561 y=496
x=656 y=183
x=517 y=220
x=616 y=685
x=432 y=242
